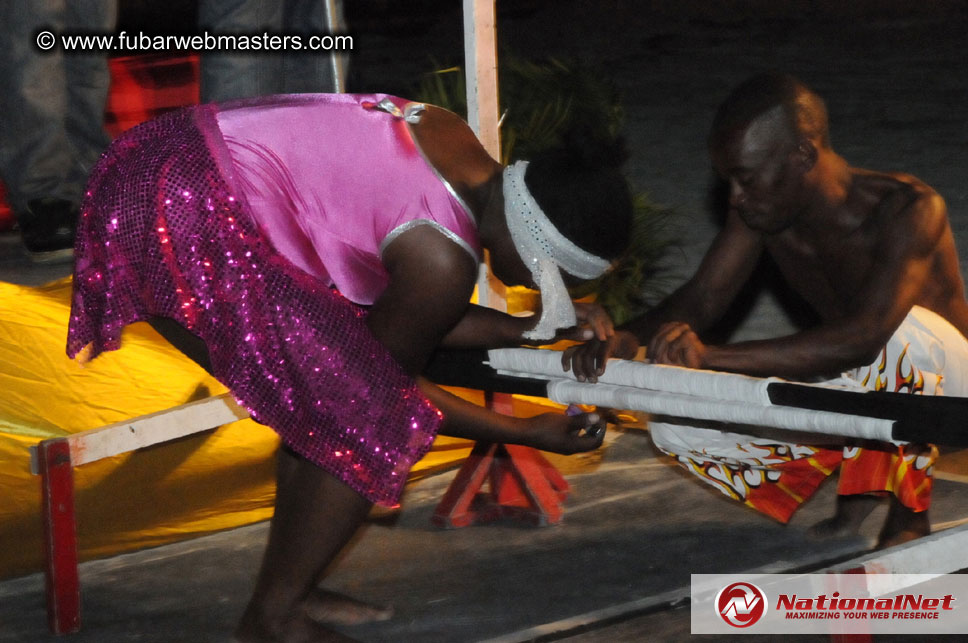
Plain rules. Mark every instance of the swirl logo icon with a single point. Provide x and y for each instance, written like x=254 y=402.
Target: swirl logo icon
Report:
x=741 y=604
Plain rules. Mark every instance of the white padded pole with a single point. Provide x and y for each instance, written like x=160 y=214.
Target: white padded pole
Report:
x=700 y=408
x=684 y=393
x=546 y=364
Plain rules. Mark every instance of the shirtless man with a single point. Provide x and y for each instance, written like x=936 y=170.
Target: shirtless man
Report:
x=863 y=248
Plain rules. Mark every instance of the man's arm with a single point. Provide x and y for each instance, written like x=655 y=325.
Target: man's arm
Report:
x=704 y=298
x=699 y=303
x=903 y=259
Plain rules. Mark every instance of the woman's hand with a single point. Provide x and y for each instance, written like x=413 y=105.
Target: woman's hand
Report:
x=564 y=434
x=588 y=360
x=557 y=432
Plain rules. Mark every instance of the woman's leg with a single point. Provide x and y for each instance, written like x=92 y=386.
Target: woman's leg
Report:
x=321 y=605
x=315 y=516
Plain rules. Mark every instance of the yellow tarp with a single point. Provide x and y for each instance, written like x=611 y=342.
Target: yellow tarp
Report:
x=173 y=491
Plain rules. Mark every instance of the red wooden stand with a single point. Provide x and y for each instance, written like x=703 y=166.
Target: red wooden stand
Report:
x=63 y=585
x=523 y=485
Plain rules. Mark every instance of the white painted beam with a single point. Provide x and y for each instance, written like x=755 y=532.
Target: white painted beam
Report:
x=146 y=430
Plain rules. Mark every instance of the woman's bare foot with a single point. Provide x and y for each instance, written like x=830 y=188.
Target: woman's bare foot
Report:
x=300 y=629
x=331 y=608
x=846 y=521
x=902 y=525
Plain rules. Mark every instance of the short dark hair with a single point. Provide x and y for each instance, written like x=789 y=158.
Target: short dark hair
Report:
x=805 y=110
x=583 y=193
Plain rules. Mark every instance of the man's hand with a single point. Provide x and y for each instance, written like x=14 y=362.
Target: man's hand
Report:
x=588 y=360
x=677 y=344
x=563 y=433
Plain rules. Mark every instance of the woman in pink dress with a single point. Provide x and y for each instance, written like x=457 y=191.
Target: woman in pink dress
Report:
x=313 y=251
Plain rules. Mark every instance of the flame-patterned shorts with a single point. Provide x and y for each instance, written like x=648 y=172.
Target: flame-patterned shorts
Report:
x=925 y=356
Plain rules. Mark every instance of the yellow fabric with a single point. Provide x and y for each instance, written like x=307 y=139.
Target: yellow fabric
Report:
x=168 y=492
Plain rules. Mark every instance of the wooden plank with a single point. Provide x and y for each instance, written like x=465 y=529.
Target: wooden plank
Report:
x=480 y=63
x=480 y=70
x=146 y=430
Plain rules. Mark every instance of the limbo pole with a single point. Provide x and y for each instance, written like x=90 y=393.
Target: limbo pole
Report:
x=713 y=396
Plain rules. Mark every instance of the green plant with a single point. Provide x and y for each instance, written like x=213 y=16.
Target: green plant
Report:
x=539 y=102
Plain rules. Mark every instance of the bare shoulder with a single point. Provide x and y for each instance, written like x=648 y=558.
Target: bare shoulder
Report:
x=424 y=252
x=443 y=123
x=450 y=145
x=903 y=203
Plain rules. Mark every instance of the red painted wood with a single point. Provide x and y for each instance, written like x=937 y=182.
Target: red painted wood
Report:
x=853 y=638
x=60 y=537
x=523 y=484
x=456 y=509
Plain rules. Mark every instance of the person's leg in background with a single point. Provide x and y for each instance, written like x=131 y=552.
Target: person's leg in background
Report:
x=313 y=71
x=53 y=117
x=88 y=83
x=229 y=75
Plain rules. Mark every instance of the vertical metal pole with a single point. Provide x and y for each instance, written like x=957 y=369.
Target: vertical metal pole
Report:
x=335 y=26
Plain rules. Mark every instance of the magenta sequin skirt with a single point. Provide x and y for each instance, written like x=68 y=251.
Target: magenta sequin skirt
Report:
x=162 y=234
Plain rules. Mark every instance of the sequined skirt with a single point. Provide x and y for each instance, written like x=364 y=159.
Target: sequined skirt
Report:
x=162 y=233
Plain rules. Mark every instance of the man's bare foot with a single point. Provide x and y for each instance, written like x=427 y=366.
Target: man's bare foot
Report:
x=331 y=608
x=846 y=521
x=902 y=525
x=300 y=629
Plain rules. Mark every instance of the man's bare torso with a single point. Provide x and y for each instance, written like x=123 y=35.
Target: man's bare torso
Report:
x=828 y=267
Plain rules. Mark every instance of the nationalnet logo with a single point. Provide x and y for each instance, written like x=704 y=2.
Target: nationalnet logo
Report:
x=830 y=603
x=741 y=604
x=899 y=606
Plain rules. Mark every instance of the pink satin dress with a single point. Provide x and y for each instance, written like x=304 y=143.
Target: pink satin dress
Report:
x=332 y=181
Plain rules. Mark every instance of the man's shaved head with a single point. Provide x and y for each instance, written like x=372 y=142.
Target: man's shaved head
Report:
x=804 y=111
x=767 y=138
